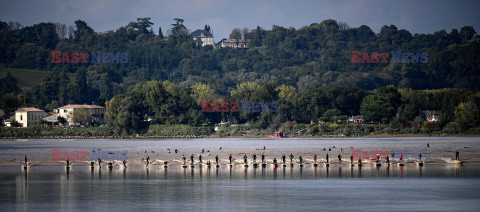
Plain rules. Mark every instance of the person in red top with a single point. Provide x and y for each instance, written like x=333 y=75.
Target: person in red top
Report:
x=315 y=158
x=401 y=156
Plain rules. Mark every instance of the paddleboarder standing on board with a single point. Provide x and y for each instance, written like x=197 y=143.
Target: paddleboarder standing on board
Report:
x=283 y=158
x=291 y=157
x=327 y=157
x=26 y=160
x=351 y=159
x=200 y=158
x=315 y=158
x=457 y=155
x=401 y=156
x=216 y=159
x=184 y=159
x=148 y=160
x=254 y=158
x=388 y=159
x=245 y=159
x=339 y=158
x=230 y=158
x=263 y=158
x=192 y=158
x=301 y=159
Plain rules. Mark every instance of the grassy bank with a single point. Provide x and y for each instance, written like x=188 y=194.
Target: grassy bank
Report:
x=242 y=130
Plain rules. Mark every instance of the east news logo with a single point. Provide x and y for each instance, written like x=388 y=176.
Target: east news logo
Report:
x=97 y=57
x=397 y=57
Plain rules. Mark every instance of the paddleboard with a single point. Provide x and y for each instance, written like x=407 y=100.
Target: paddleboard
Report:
x=315 y=164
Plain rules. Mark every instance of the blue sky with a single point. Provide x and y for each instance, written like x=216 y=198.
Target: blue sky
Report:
x=413 y=15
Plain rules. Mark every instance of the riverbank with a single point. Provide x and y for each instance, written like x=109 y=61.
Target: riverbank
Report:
x=229 y=131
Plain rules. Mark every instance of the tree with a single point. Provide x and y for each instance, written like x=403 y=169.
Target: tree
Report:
x=81 y=115
x=178 y=27
x=245 y=33
x=236 y=34
x=202 y=92
x=124 y=115
x=82 y=29
x=467 y=33
x=144 y=25
x=160 y=33
x=206 y=28
x=377 y=109
x=8 y=84
x=10 y=103
x=467 y=114
x=331 y=115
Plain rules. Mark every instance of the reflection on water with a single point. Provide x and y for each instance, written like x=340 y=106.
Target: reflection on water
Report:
x=432 y=187
x=240 y=172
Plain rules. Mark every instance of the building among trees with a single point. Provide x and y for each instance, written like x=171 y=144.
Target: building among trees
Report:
x=205 y=36
x=82 y=114
x=29 y=116
x=234 y=43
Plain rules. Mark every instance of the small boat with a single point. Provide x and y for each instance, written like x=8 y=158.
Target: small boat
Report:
x=276 y=135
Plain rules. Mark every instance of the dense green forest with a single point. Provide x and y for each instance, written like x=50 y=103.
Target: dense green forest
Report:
x=307 y=70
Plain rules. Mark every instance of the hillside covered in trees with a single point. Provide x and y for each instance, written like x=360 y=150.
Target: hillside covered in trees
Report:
x=309 y=71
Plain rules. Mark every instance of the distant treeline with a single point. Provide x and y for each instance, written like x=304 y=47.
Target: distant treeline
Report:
x=307 y=70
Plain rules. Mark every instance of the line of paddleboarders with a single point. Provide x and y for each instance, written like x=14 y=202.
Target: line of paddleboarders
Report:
x=290 y=157
x=254 y=157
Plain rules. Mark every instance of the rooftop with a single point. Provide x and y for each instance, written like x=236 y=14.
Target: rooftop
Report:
x=29 y=109
x=201 y=33
x=79 y=106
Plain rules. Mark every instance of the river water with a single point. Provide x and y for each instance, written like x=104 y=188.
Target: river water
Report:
x=433 y=187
